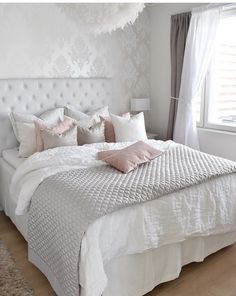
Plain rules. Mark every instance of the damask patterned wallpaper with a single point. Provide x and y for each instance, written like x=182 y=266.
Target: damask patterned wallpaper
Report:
x=40 y=40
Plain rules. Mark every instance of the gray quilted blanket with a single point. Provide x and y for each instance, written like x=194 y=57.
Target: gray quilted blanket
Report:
x=65 y=204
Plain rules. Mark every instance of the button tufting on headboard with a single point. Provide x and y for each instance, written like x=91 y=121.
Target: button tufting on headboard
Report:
x=38 y=95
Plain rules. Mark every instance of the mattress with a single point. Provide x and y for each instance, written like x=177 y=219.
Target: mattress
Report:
x=11 y=157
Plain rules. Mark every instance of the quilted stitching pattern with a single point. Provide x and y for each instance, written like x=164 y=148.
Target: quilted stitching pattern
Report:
x=65 y=204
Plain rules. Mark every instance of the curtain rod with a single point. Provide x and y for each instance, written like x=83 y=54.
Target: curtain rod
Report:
x=225 y=7
x=229 y=6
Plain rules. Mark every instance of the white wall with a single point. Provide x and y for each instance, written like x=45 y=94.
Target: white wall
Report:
x=218 y=143
x=41 y=40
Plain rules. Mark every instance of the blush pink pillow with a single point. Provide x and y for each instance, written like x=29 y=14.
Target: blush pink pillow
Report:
x=129 y=158
x=60 y=128
x=109 y=129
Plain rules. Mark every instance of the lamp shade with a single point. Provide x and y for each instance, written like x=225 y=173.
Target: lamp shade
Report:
x=140 y=104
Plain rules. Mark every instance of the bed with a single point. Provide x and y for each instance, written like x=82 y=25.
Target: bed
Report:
x=135 y=255
x=35 y=96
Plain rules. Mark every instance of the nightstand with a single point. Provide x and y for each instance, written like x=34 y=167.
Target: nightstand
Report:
x=152 y=136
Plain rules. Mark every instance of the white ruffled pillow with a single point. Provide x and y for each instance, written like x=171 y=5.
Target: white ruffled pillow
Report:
x=53 y=140
x=132 y=129
x=27 y=139
x=74 y=113
x=51 y=118
x=59 y=128
x=24 y=128
x=91 y=134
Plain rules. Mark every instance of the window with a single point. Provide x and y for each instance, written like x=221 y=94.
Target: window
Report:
x=216 y=106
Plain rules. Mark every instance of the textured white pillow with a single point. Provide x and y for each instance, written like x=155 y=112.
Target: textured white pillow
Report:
x=102 y=111
x=132 y=129
x=22 y=118
x=74 y=113
x=53 y=140
x=92 y=134
x=24 y=128
x=51 y=117
x=27 y=139
x=87 y=122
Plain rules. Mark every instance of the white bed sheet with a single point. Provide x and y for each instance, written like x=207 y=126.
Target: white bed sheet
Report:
x=199 y=211
x=125 y=261
x=106 y=249
x=11 y=156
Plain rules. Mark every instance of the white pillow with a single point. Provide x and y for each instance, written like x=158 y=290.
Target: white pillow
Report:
x=132 y=129
x=24 y=128
x=92 y=134
x=26 y=133
x=87 y=122
x=53 y=140
x=51 y=117
x=74 y=113
x=20 y=117
x=102 y=111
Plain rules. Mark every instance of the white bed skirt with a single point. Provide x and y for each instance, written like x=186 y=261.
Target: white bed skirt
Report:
x=135 y=275
x=149 y=269
x=6 y=203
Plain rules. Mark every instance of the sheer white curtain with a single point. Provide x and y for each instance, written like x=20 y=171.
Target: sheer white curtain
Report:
x=198 y=51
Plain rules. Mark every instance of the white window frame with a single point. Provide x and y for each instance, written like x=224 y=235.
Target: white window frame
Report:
x=201 y=123
x=205 y=101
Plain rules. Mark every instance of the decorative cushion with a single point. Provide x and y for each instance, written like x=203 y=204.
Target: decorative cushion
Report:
x=102 y=111
x=51 y=117
x=20 y=117
x=54 y=116
x=74 y=113
x=129 y=158
x=60 y=128
x=91 y=134
x=87 y=122
x=109 y=129
x=132 y=129
x=52 y=139
x=24 y=128
x=26 y=133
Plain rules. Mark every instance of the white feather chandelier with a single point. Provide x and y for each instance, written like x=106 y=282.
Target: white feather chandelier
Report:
x=103 y=17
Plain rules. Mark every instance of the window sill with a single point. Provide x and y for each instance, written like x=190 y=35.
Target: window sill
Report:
x=217 y=131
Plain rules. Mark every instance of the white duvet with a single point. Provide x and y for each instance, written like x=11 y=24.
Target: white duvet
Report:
x=200 y=210
x=41 y=165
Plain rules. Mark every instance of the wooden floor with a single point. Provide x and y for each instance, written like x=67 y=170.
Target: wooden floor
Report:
x=216 y=276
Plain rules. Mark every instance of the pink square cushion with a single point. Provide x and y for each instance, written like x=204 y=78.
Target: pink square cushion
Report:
x=60 y=128
x=129 y=158
x=109 y=129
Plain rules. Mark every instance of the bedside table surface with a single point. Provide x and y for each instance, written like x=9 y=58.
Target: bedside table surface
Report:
x=152 y=136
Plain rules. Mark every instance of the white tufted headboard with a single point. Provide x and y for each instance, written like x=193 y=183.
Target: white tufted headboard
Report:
x=38 y=95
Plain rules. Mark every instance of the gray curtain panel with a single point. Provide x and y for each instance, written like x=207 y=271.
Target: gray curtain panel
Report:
x=179 y=30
